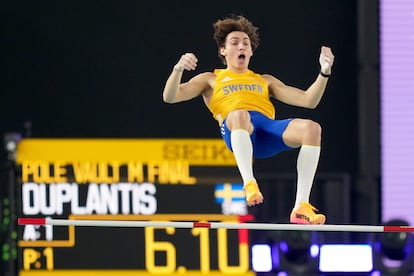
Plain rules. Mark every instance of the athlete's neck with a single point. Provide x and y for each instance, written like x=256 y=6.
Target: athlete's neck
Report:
x=237 y=70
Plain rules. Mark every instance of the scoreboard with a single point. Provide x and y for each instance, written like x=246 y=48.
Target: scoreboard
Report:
x=130 y=179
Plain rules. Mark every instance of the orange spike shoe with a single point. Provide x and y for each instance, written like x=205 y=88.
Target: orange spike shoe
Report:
x=305 y=214
x=253 y=194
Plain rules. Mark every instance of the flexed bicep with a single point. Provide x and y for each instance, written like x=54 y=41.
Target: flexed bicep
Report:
x=176 y=91
x=193 y=88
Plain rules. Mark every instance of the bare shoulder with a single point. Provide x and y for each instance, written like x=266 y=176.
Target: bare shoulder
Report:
x=204 y=77
x=272 y=80
x=206 y=81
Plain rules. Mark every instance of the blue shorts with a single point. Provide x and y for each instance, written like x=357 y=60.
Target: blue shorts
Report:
x=266 y=137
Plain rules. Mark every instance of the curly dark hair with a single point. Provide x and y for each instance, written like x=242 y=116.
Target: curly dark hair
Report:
x=239 y=23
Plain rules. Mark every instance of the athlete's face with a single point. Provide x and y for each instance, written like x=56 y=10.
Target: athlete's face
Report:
x=237 y=51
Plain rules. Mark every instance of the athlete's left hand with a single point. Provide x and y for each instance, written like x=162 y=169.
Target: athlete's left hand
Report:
x=326 y=60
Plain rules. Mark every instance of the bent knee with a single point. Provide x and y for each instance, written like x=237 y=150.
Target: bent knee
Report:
x=313 y=127
x=239 y=115
x=302 y=132
x=239 y=119
x=312 y=133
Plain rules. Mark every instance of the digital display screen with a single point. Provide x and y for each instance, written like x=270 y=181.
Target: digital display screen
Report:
x=397 y=112
x=151 y=180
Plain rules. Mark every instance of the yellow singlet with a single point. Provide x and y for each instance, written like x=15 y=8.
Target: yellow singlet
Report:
x=233 y=91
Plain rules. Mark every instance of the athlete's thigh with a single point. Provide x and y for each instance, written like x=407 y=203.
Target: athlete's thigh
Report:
x=267 y=137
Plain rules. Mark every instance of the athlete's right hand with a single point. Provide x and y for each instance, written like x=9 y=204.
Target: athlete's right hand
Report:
x=187 y=62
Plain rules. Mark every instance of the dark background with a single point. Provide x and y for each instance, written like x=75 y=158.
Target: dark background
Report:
x=97 y=69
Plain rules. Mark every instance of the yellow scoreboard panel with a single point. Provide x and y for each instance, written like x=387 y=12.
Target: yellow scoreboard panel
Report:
x=130 y=179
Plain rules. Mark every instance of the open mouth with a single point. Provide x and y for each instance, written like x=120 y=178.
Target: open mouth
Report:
x=242 y=57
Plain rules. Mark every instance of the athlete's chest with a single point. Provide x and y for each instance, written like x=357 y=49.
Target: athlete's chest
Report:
x=227 y=84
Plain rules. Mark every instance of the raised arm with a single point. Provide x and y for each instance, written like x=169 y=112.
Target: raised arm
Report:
x=175 y=91
x=310 y=97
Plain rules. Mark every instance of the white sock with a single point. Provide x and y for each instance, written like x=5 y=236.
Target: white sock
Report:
x=243 y=153
x=307 y=163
